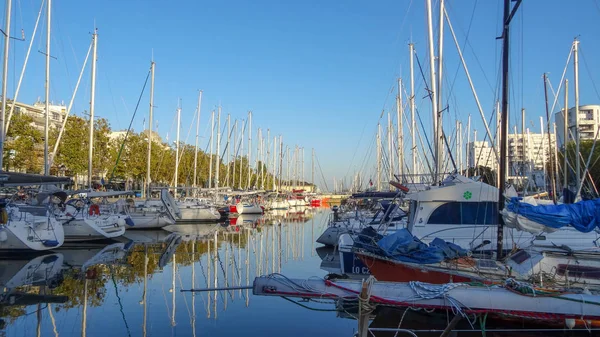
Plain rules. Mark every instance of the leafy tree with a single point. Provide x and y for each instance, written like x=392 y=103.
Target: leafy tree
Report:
x=24 y=145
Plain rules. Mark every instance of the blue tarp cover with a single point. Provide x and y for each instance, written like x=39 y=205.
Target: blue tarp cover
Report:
x=403 y=246
x=583 y=215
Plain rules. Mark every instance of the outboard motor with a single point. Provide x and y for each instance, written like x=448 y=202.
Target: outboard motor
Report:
x=335 y=213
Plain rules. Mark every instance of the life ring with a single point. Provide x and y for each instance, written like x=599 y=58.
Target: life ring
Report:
x=94 y=209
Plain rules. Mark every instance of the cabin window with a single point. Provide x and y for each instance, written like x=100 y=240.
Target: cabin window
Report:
x=465 y=213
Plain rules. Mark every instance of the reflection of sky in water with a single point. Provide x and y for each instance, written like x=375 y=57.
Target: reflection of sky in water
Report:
x=264 y=315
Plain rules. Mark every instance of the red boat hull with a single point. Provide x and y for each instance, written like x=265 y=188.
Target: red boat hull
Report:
x=232 y=209
x=385 y=270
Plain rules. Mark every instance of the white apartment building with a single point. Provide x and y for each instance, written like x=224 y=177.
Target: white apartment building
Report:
x=37 y=112
x=529 y=151
x=589 y=120
x=481 y=154
x=525 y=157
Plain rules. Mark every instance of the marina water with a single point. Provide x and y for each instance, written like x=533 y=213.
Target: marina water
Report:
x=108 y=298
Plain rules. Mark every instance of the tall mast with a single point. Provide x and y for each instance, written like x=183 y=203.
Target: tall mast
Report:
x=268 y=155
x=235 y=147
x=566 y=136
x=150 y=117
x=303 y=179
x=549 y=142
x=195 y=182
x=249 y=147
x=240 y=150
x=413 y=125
x=47 y=108
x=177 y=149
x=228 y=148
x=576 y=79
x=497 y=145
x=468 y=154
x=440 y=64
x=434 y=100
x=460 y=148
x=210 y=152
x=400 y=118
x=4 y=87
x=218 y=159
x=280 y=161
x=504 y=118
x=523 y=144
x=390 y=148
x=274 y=162
x=378 y=157
x=312 y=172
x=92 y=108
x=258 y=156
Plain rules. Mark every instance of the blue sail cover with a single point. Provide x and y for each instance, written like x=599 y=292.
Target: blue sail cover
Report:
x=583 y=215
x=403 y=246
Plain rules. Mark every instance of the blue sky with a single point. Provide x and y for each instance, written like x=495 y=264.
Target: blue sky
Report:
x=318 y=72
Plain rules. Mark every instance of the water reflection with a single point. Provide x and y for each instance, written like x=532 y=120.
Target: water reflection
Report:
x=133 y=285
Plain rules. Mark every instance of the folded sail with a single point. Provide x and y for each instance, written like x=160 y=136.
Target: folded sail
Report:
x=584 y=216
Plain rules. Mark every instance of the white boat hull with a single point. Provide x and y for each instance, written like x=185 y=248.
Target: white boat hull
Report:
x=249 y=209
x=149 y=220
x=199 y=213
x=94 y=228
x=25 y=231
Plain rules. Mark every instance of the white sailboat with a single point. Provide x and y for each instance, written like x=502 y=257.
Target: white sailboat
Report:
x=154 y=213
x=30 y=228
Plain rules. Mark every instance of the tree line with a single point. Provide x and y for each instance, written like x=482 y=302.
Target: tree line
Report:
x=123 y=158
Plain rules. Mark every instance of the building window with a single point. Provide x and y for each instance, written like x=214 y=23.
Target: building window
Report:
x=56 y=116
x=465 y=213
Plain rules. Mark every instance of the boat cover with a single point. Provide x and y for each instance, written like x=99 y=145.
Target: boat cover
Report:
x=403 y=246
x=583 y=215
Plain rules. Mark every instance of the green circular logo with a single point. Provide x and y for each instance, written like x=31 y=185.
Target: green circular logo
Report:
x=467 y=195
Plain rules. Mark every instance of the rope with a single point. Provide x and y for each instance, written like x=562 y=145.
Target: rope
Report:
x=112 y=174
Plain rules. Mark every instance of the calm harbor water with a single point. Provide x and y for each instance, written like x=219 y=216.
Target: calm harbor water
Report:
x=133 y=287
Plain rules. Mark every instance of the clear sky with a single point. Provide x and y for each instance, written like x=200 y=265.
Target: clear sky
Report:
x=318 y=72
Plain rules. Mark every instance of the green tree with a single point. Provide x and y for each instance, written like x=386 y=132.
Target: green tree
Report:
x=24 y=145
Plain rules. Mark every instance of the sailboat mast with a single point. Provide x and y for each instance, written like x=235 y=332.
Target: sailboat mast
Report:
x=195 y=182
x=468 y=154
x=249 y=147
x=235 y=135
x=274 y=162
x=400 y=118
x=576 y=87
x=150 y=117
x=280 y=161
x=434 y=100
x=549 y=141
x=378 y=157
x=92 y=108
x=4 y=85
x=413 y=125
x=228 y=149
x=312 y=173
x=504 y=118
x=240 y=150
x=390 y=148
x=47 y=87
x=177 y=148
x=566 y=136
x=210 y=152
x=218 y=159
